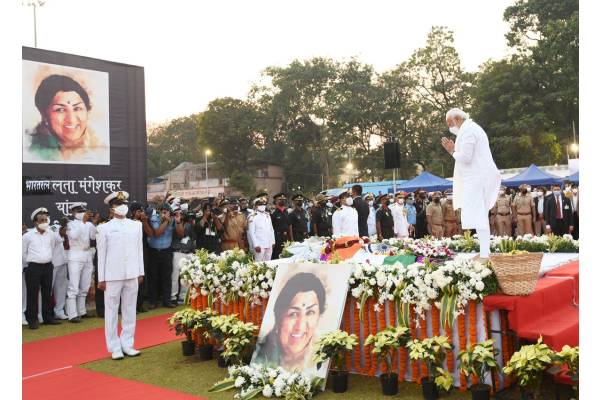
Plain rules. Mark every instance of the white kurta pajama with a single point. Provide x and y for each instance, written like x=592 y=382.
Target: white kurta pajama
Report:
x=120 y=263
x=476 y=178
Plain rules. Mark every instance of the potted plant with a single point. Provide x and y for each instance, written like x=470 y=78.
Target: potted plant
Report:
x=569 y=356
x=432 y=351
x=478 y=360
x=528 y=365
x=334 y=345
x=219 y=330
x=206 y=349
x=239 y=344
x=184 y=322
x=384 y=342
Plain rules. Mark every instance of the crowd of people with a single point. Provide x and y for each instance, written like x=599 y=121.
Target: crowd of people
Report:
x=172 y=229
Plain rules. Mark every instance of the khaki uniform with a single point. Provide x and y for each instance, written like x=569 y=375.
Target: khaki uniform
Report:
x=493 y=224
x=437 y=219
x=523 y=205
x=458 y=222
x=234 y=234
x=450 y=222
x=503 y=217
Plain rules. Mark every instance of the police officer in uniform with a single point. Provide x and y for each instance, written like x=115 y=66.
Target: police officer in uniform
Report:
x=524 y=208
x=435 y=216
x=281 y=224
x=320 y=222
x=503 y=213
x=298 y=219
x=261 y=237
x=450 y=221
x=120 y=271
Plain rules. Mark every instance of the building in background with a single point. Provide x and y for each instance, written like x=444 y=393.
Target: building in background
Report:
x=189 y=181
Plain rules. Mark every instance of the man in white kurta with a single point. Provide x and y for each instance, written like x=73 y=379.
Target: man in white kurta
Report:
x=120 y=270
x=261 y=236
x=345 y=220
x=476 y=178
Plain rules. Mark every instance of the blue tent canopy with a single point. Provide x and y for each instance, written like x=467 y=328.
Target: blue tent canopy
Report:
x=572 y=178
x=426 y=181
x=532 y=176
x=377 y=188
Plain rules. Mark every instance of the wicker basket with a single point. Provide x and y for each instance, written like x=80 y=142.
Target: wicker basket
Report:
x=517 y=273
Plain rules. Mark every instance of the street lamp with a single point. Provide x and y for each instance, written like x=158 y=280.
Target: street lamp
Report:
x=35 y=4
x=206 y=154
x=574 y=148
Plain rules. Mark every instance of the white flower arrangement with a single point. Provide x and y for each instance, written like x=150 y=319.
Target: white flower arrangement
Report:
x=252 y=380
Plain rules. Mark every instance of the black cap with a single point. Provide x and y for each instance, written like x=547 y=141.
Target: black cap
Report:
x=279 y=196
x=343 y=195
x=262 y=194
x=297 y=196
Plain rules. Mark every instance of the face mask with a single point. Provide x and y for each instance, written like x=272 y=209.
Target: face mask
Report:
x=310 y=205
x=575 y=191
x=349 y=201
x=79 y=216
x=370 y=203
x=556 y=192
x=453 y=130
x=529 y=189
x=400 y=201
x=449 y=198
x=262 y=208
x=410 y=202
x=225 y=210
x=329 y=204
x=121 y=210
x=44 y=226
x=540 y=194
x=392 y=200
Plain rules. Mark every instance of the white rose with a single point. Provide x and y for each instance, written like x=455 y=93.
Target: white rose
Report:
x=479 y=286
x=267 y=391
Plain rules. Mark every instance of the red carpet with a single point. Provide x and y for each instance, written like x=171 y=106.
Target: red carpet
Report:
x=548 y=311
x=79 y=348
x=79 y=383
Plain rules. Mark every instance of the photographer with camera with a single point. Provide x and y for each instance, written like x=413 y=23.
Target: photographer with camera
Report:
x=208 y=229
x=182 y=247
x=235 y=226
x=138 y=213
x=164 y=225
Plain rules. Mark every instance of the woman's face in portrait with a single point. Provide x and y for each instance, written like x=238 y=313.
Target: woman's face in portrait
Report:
x=67 y=116
x=299 y=323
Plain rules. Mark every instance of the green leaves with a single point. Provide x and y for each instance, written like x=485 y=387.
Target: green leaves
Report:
x=529 y=363
x=448 y=306
x=221 y=386
x=334 y=345
x=478 y=359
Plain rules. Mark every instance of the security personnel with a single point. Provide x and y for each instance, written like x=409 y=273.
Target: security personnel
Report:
x=298 y=230
x=421 y=209
x=261 y=236
x=244 y=207
x=384 y=219
x=37 y=246
x=450 y=223
x=79 y=262
x=281 y=224
x=320 y=222
x=235 y=225
x=435 y=217
x=120 y=271
x=524 y=208
x=492 y=216
x=503 y=213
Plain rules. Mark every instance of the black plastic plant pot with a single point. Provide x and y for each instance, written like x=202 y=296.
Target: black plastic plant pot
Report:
x=389 y=384
x=430 y=391
x=188 y=347
x=206 y=352
x=480 y=392
x=339 y=381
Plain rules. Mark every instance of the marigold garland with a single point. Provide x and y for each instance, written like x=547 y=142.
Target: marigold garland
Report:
x=505 y=351
x=371 y=366
x=462 y=342
x=435 y=321
x=450 y=353
x=347 y=328
x=423 y=329
x=473 y=331
x=358 y=350
x=416 y=377
x=392 y=316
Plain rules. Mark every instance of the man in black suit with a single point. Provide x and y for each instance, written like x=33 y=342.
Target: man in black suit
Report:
x=362 y=208
x=558 y=212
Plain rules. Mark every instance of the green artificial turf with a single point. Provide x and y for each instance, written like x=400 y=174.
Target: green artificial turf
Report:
x=165 y=366
x=66 y=327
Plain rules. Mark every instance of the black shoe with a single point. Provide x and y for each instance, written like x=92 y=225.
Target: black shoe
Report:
x=169 y=305
x=142 y=309
x=100 y=314
x=75 y=320
x=85 y=316
x=52 y=322
x=152 y=306
x=34 y=325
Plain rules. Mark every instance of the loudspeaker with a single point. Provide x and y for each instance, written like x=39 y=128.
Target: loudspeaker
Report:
x=391 y=155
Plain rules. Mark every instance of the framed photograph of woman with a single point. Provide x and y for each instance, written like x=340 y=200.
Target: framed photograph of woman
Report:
x=307 y=300
x=65 y=115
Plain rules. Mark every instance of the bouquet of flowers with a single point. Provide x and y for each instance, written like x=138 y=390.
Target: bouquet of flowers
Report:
x=255 y=379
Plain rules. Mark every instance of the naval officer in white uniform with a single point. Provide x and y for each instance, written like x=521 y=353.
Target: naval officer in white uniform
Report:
x=345 y=220
x=120 y=271
x=261 y=236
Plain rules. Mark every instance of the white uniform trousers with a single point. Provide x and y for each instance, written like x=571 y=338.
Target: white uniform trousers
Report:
x=176 y=285
x=125 y=291
x=264 y=255
x=59 y=287
x=80 y=279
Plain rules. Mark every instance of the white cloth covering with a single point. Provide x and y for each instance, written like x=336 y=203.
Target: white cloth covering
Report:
x=476 y=178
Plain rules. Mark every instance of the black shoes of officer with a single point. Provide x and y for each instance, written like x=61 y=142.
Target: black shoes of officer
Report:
x=169 y=305
x=85 y=316
x=75 y=320
x=33 y=325
x=52 y=322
